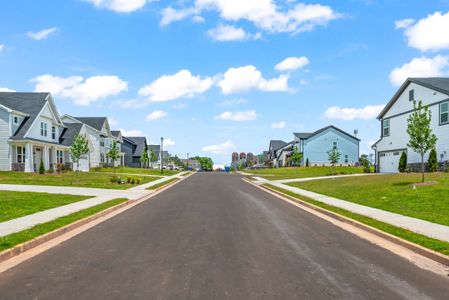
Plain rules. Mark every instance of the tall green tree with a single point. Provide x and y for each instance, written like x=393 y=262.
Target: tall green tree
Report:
x=402 y=162
x=78 y=150
x=144 y=158
x=153 y=157
x=114 y=154
x=432 y=162
x=296 y=156
x=333 y=157
x=420 y=134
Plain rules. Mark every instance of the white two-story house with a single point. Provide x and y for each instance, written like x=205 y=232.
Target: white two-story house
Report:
x=433 y=92
x=31 y=131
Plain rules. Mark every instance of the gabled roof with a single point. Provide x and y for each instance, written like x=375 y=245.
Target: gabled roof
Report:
x=330 y=127
x=277 y=144
x=302 y=135
x=30 y=104
x=140 y=142
x=439 y=84
x=69 y=133
x=94 y=122
x=116 y=133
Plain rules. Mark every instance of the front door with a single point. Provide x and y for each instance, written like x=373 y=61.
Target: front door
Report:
x=37 y=155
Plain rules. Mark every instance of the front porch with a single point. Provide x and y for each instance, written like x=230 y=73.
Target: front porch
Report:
x=27 y=156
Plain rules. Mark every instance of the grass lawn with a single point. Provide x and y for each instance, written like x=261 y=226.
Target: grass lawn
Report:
x=143 y=171
x=159 y=185
x=302 y=172
x=18 y=204
x=85 y=179
x=430 y=243
x=14 y=239
x=391 y=192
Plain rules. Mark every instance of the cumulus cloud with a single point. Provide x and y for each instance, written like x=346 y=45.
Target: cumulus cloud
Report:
x=43 y=34
x=198 y=19
x=81 y=91
x=248 y=77
x=226 y=33
x=292 y=63
x=249 y=115
x=233 y=102
x=264 y=14
x=156 y=115
x=405 y=23
x=4 y=89
x=2 y=47
x=421 y=67
x=170 y=87
x=364 y=113
x=132 y=132
x=169 y=142
x=223 y=148
x=120 y=6
x=279 y=125
x=429 y=33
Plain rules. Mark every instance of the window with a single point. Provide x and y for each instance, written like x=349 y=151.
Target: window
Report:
x=411 y=95
x=43 y=129
x=53 y=132
x=346 y=158
x=334 y=146
x=102 y=143
x=386 y=127
x=59 y=157
x=396 y=153
x=20 y=154
x=102 y=157
x=444 y=113
x=16 y=120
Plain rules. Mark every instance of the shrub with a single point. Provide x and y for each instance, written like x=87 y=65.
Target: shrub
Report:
x=402 y=162
x=307 y=162
x=366 y=166
x=138 y=180
x=133 y=181
x=41 y=168
x=128 y=180
x=432 y=163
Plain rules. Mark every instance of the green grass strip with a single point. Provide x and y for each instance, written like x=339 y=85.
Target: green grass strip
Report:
x=159 y=185
x=14 y=239
x=427 y=242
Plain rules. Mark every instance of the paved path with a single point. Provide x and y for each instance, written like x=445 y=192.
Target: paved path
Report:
x=99 y=196
x=213 y=236
x=426 y=228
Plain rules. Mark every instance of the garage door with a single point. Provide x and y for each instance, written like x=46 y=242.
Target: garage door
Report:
x=389 y=161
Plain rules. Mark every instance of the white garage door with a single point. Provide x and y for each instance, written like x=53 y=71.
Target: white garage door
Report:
x=389 y=161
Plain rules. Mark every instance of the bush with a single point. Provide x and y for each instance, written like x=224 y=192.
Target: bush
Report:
x=366 y=166
x=307 y=162
x=402 y=167
x=138 y=180
x=133 y=181
x=128 y=180
x=41 y=168
x=432 y=163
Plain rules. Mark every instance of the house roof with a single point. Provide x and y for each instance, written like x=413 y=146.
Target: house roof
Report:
x=439 y=84
x=115 y=133
x=330 y=127
x=140 y=142
x=154 y=147
x=277 y=144
x=302 y=135
x=28 y=103
x=69 y=134
x=95 y=122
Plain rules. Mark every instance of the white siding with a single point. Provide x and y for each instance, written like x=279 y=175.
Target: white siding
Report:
x=47 y=118
x=5 y=162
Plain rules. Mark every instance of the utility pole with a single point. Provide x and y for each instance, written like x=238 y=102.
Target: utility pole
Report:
x=162 y=155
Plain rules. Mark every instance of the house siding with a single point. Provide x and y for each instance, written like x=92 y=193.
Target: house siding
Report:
x=5 y=157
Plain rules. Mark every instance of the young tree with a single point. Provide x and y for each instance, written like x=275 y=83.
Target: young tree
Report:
x=114 y=154
x=153 y=157
x=402 y=163
x=307 y=162
x=144 y=157
x=418 y=128
x=333 y=157
x=41 y=167
x=296 y=156
x=78 y=150
x=432 y=163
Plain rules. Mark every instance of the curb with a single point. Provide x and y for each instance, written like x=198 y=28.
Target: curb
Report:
x=28 y=245
x=428 y=253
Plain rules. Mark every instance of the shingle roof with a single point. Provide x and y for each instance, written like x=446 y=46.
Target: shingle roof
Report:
x=140 y=141
x=115 y=133
x=154 y=147
x=95 y=122
x=303 y=135
x=28 y=103
x=277 y=144
x=333 y=127
x=69 y=134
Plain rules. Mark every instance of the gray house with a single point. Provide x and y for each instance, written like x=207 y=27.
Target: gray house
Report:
x=133 y=148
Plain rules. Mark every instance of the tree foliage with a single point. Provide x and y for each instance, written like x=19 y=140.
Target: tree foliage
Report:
x=333 y=157
x=432 y=162
x=114 y=154
x=153 y=157
x=144 y=158
x=79 y=149
x=296 y=156
x=205 y=162
x=420 y=134
x=402 y=167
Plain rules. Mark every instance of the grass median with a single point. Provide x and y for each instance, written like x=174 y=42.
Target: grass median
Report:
x=17 y=238
x=302 y=172
x=427 y=242
x=162 y=184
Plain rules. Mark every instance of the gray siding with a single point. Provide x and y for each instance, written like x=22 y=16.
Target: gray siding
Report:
x=5 y=164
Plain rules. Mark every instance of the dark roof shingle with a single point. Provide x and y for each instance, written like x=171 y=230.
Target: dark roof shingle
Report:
x=95 y=122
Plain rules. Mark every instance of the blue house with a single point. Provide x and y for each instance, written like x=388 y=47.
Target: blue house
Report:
x=315 y=145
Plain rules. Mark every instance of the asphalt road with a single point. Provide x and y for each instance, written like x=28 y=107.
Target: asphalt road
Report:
x=214 y=236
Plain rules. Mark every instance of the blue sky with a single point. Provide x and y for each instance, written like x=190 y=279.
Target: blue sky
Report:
x=217 y=76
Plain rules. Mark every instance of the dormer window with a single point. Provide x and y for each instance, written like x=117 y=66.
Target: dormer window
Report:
x=411 y=95
x=16 y=120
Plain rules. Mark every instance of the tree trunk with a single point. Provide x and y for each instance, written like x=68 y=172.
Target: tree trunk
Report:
x=422 y=167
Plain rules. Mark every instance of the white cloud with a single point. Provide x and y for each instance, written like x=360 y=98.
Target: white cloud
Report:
x=429 y=33
x=292 y=63
x=198 y=19
x=248 y=77
x=226 y=33
x=170 y=87
x=169 y=142
x=264 y=14
x=4 y=89
x=81 y=91
x=43 y=34
x=156 y=115
x=132 y=132
x=364 y=113
x=405 y=23
x=112 y=121
x=279 y=125
x=222 y=148
x=232 y=102
x=249 y=115
x=421 y=67
x=120 y=6
x=2 y=47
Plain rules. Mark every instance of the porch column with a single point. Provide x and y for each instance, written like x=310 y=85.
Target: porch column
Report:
x=46 y=158
x=29 y=159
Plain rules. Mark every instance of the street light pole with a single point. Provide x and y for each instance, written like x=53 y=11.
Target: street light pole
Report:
x=162 y=155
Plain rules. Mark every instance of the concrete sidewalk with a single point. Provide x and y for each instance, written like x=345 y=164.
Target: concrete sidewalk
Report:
x=99 y=196
x=437 y=231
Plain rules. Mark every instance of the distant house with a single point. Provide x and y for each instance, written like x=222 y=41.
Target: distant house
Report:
x=274 y=146
x=433 y=92
x=31 y=132
x=158 y=153
x=133 y=148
